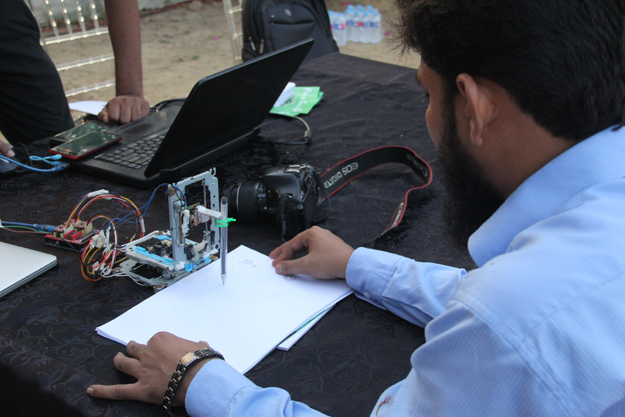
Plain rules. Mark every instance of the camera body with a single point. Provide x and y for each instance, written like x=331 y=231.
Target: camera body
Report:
x=291 y=193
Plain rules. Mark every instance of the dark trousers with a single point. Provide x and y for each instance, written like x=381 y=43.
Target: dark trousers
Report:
x=32 y=102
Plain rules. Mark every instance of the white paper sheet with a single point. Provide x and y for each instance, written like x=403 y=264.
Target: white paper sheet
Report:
x=287 y=93
x=88 y=106
x=245 y=319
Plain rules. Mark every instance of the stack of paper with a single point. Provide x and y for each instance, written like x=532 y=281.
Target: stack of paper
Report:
x=302 y=102
x=245 y=319
x=297 y=334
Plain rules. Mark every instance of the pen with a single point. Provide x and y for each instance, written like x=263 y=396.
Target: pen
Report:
x=223 y=235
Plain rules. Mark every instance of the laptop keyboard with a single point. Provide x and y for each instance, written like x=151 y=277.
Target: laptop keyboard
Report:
x=136 y=155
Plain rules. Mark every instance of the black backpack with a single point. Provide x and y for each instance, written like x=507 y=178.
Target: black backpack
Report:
x=272 y=24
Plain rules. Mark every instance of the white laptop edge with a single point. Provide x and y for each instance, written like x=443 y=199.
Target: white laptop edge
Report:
x=19 y=265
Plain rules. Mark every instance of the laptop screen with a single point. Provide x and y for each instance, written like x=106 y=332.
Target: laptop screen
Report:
x=227 y=105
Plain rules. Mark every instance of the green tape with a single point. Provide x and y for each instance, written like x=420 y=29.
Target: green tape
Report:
x=224 y=223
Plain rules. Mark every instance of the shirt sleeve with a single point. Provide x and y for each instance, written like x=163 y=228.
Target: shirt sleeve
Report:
x=219 y=390
x=415 y=291
x=467 y=368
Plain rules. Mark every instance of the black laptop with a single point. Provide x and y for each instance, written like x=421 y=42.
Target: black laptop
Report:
x=221 y=114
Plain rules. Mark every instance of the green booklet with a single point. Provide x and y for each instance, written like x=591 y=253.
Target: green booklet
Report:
x=302 y=102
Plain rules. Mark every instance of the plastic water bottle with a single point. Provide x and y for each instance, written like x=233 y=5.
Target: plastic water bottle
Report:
x=375 y=35
x=359 y=27
x=341 y=32
x=349 y=18
x=338 y=25
x=366 y=25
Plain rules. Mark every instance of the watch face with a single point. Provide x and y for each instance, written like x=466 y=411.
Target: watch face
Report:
x=188 y=358
x=206 y=352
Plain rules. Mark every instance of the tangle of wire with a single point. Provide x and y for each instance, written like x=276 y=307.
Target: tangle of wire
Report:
x=100 y=259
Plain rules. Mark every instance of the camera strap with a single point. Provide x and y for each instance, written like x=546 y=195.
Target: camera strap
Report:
x=342 y=173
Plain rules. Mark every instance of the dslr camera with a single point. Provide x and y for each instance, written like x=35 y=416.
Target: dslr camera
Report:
x=293 y=194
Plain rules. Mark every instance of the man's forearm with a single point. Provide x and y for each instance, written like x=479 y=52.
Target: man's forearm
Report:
x=125 y=33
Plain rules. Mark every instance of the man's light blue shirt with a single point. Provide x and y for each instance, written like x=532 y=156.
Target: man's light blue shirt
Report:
x=538 y=329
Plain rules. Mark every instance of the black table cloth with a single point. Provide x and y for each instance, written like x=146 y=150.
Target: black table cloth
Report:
x=49 y=351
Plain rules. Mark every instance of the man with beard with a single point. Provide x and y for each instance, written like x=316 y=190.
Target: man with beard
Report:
x=527 y=101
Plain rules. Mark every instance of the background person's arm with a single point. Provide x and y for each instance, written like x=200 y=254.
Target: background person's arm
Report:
x=125 y=32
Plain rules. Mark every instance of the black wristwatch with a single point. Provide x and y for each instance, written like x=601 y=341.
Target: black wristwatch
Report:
x=185 y=363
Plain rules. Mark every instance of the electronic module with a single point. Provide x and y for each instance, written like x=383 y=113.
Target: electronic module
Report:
x=162 y=257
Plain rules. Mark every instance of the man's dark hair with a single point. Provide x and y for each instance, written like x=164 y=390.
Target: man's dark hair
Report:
x=562 y=61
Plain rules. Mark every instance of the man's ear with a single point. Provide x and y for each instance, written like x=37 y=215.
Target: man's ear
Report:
x=478 y=108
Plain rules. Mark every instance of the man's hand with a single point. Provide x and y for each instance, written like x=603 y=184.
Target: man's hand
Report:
x=124 y=109
x=327 y=255
x=153 y=365
x=5 y=148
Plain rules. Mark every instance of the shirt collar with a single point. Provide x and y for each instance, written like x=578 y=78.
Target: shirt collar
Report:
x=592 y=161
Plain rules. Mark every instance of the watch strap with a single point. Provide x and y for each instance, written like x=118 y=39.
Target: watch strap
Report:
x=185 y=363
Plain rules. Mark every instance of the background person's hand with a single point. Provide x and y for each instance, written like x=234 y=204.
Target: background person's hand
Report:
x=5 y=148
x=124 y=109
x=153 y=365
x=327 y=255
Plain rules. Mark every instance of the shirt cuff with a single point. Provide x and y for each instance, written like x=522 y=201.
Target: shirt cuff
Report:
x=213 y=388
x=369 y=272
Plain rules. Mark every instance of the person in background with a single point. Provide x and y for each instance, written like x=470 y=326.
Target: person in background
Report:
x=33 y=105
x=526 y=110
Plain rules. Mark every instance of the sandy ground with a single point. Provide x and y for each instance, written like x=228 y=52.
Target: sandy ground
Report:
x=184 y=43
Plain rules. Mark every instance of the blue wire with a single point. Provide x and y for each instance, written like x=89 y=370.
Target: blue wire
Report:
x=44 y=227
x=60 y=167
x=146 y=206
x=184 y=196
x=52 y=159
x=143 y=209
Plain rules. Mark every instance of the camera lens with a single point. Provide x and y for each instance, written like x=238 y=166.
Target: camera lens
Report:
x=247 y=200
